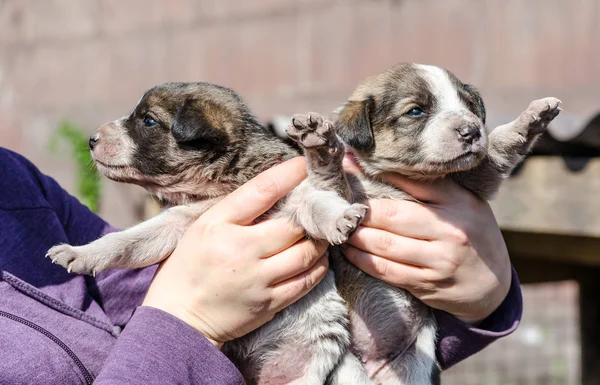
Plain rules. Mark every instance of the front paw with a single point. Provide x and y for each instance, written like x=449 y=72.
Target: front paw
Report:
x=311 y=131
x=74 y=259
x=539 y=114
x=347 y=223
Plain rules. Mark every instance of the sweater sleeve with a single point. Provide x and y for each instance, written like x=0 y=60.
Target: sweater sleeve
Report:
x=80 y=225
x=458 y=340
x=157 y=348
x=154 y=347
x=117 y=291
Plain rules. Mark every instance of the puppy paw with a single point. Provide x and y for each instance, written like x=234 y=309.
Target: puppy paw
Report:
x=72 y=259
x=539 y=114
x=347 y=223
x=311 y=131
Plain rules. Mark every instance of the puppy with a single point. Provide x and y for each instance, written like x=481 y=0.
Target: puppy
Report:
x=189 y=144
x=422 y=122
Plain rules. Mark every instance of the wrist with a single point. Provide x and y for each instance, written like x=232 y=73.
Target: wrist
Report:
x=489 y=304
x=471 y=320
x=182 y=312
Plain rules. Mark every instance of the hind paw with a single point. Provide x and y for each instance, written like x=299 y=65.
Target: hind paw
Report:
x=72 y=259
x=347 y=223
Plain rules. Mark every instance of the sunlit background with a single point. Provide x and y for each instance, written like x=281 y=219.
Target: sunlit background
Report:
x=67 y=66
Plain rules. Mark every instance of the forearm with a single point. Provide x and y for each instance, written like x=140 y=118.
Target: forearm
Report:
x=157 y=348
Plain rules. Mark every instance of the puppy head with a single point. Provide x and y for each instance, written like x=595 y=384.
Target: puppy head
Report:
x=172 y=138
x=416 y=120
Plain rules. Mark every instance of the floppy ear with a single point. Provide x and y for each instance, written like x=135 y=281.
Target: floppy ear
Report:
x=353 y=124
x=472 y=91
x=201 y=120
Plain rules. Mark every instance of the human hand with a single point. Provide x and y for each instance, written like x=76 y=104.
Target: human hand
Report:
x=228 y=276
x=448 y=252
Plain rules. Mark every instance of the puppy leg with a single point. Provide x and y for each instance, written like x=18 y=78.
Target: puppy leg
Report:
x=420 y=362
x=321 y=204
x=508 y=146
x=510 y=143
x=324 y=152
x=311 y=335
x=139 y=246
x=324 y=215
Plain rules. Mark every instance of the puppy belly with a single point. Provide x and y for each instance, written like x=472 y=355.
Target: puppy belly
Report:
x=301 y=345
x=385 y=325
x=284 y=366
x=377 y=347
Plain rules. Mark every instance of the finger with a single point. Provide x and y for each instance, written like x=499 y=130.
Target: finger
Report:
x=393 y=247
x=440 y=190
x=350 y=164
x=406 y=218
x=287 y=292
x=258 y=195
x=274 y=235
x=292 y=261
x=396 y=274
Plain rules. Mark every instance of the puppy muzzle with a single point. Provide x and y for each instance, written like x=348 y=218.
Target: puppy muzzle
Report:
x=111 y=145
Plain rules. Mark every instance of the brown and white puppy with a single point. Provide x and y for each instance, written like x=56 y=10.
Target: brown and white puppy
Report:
x=199 y=142
x=191 y=144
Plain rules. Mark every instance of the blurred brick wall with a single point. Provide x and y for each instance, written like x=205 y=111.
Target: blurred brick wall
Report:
x=89 y=61
x=544 y=350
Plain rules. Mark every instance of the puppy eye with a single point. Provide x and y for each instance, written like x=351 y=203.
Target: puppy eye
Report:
x=149 y=122
x=417 y=111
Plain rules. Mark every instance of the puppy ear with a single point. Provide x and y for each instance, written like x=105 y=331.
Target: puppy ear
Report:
x=353 y=124
x=477 y=99
x=201 y=120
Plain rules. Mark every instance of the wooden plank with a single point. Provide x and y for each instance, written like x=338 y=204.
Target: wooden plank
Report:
x=576 y=250
x=536 y=271
x=547 y=197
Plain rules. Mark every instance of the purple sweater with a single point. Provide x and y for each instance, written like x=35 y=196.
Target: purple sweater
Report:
x=58 y=328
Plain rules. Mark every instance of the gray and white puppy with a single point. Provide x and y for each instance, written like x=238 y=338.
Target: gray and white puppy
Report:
x=190 y=144
x=422 y=122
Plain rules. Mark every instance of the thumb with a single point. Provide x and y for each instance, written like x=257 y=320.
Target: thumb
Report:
x=351 y=165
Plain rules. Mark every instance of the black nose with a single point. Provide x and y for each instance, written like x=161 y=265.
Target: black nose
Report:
x=469 y=134
x=93 y=140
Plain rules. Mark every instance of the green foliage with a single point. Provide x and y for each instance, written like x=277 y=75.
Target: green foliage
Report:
x=88 y=181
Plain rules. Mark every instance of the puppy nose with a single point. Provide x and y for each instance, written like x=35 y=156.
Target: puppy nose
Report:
x=469 y=134
x=94 y=140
